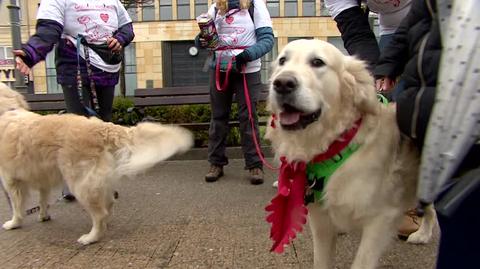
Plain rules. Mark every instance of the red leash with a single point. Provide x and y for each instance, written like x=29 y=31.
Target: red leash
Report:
x=223 y=87
x=252 y=122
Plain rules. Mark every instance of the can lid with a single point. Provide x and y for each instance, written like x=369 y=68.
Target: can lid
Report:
x=203 y=18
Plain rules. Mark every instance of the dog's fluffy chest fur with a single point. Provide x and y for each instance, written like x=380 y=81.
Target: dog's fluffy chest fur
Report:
x=376 y=176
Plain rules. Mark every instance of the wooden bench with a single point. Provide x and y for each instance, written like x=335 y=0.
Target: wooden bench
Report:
x=183 y=96
x=45 y=102
x=146 y=98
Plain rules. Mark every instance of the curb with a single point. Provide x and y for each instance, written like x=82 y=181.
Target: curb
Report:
x=231 y=152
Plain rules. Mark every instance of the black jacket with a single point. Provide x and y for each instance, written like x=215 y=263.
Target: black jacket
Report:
x=414 y=53
x=357 y=36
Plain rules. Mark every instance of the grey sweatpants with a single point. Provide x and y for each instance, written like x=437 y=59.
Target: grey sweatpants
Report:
x=221 y=103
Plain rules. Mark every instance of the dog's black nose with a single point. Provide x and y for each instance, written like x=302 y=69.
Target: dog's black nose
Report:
x=285 y=84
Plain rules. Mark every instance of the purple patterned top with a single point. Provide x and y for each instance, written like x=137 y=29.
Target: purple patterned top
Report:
x=48 y=33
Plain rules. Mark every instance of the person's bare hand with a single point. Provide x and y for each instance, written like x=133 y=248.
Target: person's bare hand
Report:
x=21 y=66
x=114 y=45
x=384 y=84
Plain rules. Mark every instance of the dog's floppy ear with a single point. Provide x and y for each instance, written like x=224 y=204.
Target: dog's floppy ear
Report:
x=361 y=83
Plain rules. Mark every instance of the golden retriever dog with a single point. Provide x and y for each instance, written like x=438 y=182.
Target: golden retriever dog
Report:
x=317 y=94
x=38 y=152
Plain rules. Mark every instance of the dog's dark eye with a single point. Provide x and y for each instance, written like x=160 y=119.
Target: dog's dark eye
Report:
x=317 y=62
x=282 y=60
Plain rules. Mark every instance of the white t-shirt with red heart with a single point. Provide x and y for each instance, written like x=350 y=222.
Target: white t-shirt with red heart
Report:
x=236 y=29
x=95 y=20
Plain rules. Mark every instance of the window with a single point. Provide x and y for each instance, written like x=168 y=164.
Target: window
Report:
x=323 y=9
x=148 y=9
x=337 y=42
x=165 y=10
x=267 y=60
x=273 y=7
x=308 y=8
x=180 y=68
x=201 y=6
x=6 y=53
x=183 y=9
x=130 y=69
x=291 y=7
x=132 y=12
x=51 y=72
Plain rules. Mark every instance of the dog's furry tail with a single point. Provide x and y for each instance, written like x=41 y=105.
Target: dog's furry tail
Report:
x=150 y=143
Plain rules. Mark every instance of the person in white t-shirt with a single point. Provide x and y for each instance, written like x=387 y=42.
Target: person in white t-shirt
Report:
x=357 y=35
x=104 y=27
x=245 y=34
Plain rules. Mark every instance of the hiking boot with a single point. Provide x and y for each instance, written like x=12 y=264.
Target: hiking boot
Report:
x=214 y=173
x=256 y=176
x=410 y=224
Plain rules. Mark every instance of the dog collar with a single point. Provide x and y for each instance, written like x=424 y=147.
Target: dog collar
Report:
x=321 y=168
x=319 y=173
x=288 y=211
x=382 y=99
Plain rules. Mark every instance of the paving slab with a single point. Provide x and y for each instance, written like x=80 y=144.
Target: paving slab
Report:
x=169 y=217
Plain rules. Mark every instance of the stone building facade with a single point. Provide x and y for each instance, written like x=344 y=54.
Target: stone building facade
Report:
x=160 y=55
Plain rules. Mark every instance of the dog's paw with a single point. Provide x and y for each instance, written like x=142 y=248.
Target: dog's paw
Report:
x=9 y=225
x=419 y=237
x=87 y=239
x=44 y=218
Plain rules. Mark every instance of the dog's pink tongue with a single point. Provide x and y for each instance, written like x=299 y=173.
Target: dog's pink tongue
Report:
x=289 y=118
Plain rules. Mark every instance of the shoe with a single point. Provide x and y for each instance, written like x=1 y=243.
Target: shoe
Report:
x=256 y=176
x=68 y=197
x=410 y=224
x=214 y=173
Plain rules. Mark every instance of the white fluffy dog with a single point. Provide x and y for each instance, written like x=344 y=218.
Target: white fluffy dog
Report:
x=39 y=152
x=318 y=95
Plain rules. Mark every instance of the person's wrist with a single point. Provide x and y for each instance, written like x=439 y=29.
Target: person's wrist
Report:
x=26 y=57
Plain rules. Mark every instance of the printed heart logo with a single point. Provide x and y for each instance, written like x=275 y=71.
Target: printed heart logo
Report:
x=229 y=20
x=104 y=17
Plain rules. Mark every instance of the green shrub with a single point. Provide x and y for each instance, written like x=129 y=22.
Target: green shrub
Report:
x=123 y=113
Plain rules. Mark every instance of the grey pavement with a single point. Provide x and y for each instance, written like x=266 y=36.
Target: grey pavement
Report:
x=170 y=217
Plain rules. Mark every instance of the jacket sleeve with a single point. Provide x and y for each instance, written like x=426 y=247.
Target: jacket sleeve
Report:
x=125 y=34
x=48 y=33
x=263 y=46
x=357 y=36
x=396 y=54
